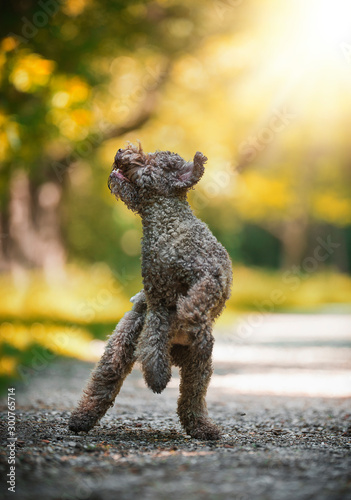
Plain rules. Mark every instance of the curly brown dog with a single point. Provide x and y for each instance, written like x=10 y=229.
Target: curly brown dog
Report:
x=187 y=277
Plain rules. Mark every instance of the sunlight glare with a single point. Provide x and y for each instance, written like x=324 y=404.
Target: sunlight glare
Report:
x=327 y=23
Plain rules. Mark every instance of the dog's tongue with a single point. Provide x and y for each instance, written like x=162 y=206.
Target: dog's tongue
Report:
x=117 y=173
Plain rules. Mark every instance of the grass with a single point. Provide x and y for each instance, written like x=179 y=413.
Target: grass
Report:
x=254 y=289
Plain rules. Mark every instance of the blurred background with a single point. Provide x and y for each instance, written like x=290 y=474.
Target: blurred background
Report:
x=261 y=88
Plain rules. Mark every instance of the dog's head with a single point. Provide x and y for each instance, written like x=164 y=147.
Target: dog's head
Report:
x=139 y=177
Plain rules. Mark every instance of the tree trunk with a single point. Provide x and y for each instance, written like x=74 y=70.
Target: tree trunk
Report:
x=34 y=236
x=30 y=226
x=293 y=237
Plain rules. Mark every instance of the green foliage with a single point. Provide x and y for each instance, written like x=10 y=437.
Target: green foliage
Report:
x=78 y=78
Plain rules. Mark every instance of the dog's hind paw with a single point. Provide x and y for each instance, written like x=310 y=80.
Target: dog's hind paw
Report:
x=204 y=429
x=81 y=422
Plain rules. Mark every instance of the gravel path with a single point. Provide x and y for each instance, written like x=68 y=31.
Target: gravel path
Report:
x=274 y=446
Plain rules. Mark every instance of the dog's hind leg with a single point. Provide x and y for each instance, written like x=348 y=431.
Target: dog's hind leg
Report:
x=108 y=376
x=195 y=375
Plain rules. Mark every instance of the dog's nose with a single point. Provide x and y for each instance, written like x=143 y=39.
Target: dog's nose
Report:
x=118 y=156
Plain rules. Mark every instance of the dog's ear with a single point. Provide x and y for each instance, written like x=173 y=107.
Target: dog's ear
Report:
x=192 y=172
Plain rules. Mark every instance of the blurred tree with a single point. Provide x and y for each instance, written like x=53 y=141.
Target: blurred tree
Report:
x=62 y=96
x=209 y=75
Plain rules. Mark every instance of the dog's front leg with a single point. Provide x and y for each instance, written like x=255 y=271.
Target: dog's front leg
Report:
x=154 y=349
x=195 y=312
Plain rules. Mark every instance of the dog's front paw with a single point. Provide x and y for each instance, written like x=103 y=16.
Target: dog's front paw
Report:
x=188 y=317
x=155 y=378
x=155 y=364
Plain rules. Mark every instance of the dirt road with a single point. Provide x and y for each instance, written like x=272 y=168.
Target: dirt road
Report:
x=281 y=395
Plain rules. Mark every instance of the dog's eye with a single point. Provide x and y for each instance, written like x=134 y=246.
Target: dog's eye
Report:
x=167 y=166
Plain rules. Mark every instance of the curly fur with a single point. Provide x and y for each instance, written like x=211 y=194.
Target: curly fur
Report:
x=187 y=278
